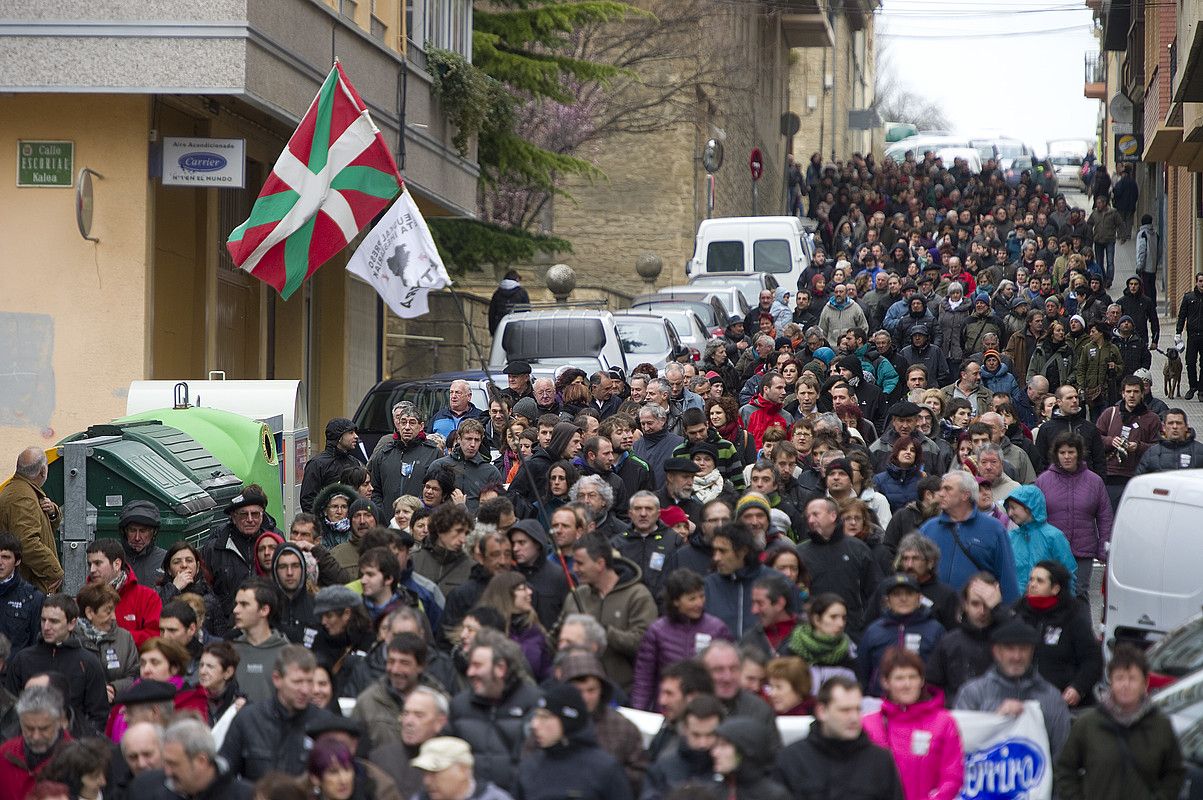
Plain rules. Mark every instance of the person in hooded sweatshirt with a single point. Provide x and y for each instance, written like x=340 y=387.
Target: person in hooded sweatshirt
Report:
x=569 y=762
x=913 y=725
x=509 y=293
x=781 y=312
x=139 y=527
x=297 y=619
x=837 y=759
x=531 y=547
x=530 y=482
x=342 y=451
x=332 y=507
x=742 y=756
x=1033 y=539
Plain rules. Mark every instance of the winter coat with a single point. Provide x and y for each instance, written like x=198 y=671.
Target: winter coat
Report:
x=925 y=743
x=192 y=699
x=21 y=514
x=1001 y=381
x=899 y=485
x=821 y=767
x=979 y=399
x=625 y=613
x=1036 y=540
x=1104 y=224
x=988 y=549
x=295 y=617
x=961 y=655
x=1148 y=250
x=1145 y=431
x=378 y=708
x=445 y=421
x=1095 y=458
x=695 y=554
x=227 y=561
x=84 y=674
x=21 y=621
x=836 y=319
x=666 y=642
x=256 y=663
x=471 y=475
x=756 y=746
x=532 y=641
x=115 y=651
x=1190 y=318
x=574 y=767
x=17 y=777
x=1078 y=505
x=147 y=564
x=1098 y=367
x=1109 y=757
x=1167 y=455
x=509 y=293
x=495 y=729
x=987 y=693
x=447 y=569
x=654 y=449
x=950 y=322
x=138 y=609
x=760 y=414
x=935 y=462
x=933 y=360
x=399 y=468
x=546 y=580
x=918 y=632
x=326 y=467
x=1134 y=351
x=1068 y=653
x=265 y=736
x=729 y=597
x=168 y=591
x=1143 y=312
x=152 y=785
x=976 y=328
x=843 y=565
x=885 y=377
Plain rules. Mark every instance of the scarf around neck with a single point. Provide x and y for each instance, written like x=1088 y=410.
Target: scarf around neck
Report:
x=819 y=649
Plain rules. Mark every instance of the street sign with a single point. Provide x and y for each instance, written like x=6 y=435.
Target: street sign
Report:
x=791 y=123
x=756 y=164
x=193 y=161
x=45 y=164
x=1129 y=147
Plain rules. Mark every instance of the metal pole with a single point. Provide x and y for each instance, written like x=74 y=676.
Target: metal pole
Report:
x=755 y=199
x=77 y=531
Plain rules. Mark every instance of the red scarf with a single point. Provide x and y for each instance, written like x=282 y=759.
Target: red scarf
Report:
x=1041 y=603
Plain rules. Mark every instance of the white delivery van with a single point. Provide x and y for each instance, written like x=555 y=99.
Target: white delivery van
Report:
x=1155 y=567
x=777 y=246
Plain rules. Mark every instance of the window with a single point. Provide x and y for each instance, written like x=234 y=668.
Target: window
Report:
x=725 y=257
x=643 y=338
x=448 y=24
x=771 y=255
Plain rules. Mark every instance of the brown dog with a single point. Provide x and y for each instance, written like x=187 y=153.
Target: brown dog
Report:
x=1172 y=372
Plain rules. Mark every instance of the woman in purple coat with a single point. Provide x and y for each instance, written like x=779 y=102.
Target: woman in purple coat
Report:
x=511 y=595
x=683 y=632
x=1078 y=504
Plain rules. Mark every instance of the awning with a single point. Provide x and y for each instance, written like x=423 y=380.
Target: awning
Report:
x=1162 y=145
x=1184 y=153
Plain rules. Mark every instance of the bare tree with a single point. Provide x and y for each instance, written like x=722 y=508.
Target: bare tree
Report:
x=895 y=100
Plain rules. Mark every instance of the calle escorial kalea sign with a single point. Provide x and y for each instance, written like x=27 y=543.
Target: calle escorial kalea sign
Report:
x=45 y=164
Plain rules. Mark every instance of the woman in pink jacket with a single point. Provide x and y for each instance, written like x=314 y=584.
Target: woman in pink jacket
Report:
x=914 y=726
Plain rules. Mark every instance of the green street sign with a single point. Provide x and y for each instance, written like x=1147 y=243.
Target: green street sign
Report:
x=46 y=164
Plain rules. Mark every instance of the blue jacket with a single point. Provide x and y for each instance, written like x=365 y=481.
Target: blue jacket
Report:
x=21 y=621
x=445 y=422
x=883 y=372
x=984 y=538
x=899 y=486
x=1037 y=541
x=918 y=632
x=1002 y=381
x=729 y=597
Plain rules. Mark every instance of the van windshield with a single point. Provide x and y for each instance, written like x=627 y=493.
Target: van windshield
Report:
x=725 y=257
x=771 y=255
x=639 y=337
x=563 y=337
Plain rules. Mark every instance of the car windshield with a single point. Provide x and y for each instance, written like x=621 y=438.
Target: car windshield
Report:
x=375 y=413
x=559 y=337
x=1066 y=161
x=771 y=255
x=1180 y=654
x=642 y=337
x=1009 y=149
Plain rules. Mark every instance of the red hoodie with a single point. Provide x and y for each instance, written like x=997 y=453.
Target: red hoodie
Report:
x=139 y=608
x=767 y=415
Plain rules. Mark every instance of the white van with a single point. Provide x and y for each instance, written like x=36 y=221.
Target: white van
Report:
x=1155 y=567
x=778 y=246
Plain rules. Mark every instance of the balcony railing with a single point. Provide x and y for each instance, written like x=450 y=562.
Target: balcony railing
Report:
x=1096 y=67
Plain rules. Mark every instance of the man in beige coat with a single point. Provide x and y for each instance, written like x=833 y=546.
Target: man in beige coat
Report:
x=28 y=513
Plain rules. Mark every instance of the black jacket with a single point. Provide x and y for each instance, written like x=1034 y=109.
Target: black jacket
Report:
x=756 y=746
x=83 y=672
x=940 y=598
x=152 y=785
x=21 y=621
x=674 y=768
x=1190 y=314
x=296 y=619
x=509 y=293
x=399 y=468
x=843 y=565
x=1068 y=653
x=1143 y=313
x=821 y=768
x=326 y=467
x=576 y=767
x=1165 y=456
x=266 y=737
x=495 y=730
x=650 y=553
x=461 y=600
x=547 y=581
x=696 y=554
x=1096 y=457
x=227 y=558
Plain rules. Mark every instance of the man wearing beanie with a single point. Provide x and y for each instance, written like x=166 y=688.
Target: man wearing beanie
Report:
x=139 y=526
x=569 y=762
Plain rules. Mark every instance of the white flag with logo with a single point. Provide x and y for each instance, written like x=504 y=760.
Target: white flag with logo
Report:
x=399 y=259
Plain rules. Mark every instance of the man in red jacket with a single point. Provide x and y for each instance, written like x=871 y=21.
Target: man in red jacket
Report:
x=139 y=608
x=43 y=730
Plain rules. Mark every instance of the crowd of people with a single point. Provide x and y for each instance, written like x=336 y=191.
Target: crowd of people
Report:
x=894 y=483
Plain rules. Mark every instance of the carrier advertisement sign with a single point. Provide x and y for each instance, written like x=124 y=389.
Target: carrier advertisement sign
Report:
x=191 y=161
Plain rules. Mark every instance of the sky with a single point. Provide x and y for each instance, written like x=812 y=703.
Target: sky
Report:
x=1010 y=67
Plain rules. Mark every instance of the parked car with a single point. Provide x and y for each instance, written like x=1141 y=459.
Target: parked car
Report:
x=1182 y=702
x=707 y=305
x=1068 y=169
x=1153 y=567
x=1177 y=655
x=733 y=299
x=749 y=284
x=646 y=337
x=779 y=246
x=374 y=416
x=690 y=329
x=582 y=337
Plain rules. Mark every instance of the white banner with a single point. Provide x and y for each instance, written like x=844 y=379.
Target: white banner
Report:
x=1006 y=758
x=399 y=259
